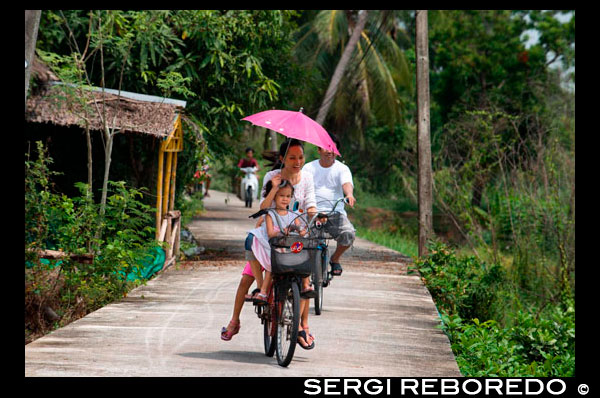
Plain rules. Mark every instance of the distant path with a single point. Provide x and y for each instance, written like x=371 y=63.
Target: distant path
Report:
x=377 y=320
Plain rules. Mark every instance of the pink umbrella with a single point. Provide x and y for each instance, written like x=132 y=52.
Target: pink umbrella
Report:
x=294 y=125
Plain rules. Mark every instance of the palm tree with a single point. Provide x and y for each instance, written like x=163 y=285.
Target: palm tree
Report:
x=341 y=66
x=355 y=52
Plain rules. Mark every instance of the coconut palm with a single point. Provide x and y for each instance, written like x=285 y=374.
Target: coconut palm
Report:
x=355 y=53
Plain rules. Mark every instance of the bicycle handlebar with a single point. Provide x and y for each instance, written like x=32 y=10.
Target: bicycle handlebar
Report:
x=310 y=224
x=319 y=215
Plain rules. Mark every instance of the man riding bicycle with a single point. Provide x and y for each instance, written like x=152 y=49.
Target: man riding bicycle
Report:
x=332 y=180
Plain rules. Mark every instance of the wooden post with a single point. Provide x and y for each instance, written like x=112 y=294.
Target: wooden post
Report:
x=166 y=196
x=172 y=184
x=423 y=140
x=177 y=237
x=159 y=188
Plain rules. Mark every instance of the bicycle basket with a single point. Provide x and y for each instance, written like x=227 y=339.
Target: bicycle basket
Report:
x=330 y=229
x=292 y=254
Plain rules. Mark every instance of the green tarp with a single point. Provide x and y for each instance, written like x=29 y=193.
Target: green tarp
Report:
x=152 y=263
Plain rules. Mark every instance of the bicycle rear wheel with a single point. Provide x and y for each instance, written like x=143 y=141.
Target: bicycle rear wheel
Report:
x=270 y=326
x=288 y=321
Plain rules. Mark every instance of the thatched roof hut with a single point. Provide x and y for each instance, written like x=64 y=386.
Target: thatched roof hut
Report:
x=67 y=105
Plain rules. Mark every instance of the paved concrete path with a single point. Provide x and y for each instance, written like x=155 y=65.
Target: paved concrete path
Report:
x=377 y=320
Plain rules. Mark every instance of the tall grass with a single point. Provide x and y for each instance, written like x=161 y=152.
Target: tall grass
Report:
x=404 y=244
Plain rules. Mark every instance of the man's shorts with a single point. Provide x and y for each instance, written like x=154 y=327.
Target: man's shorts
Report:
x=347 y=232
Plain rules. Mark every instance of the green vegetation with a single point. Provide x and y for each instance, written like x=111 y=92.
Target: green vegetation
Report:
x=502 y=133
x=396 y=241
x=473 y=298
x=58 y=292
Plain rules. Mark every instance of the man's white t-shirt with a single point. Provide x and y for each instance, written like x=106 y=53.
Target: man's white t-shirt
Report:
x=328 y=183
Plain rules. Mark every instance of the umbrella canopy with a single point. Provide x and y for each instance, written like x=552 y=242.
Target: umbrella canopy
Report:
x=294 y=125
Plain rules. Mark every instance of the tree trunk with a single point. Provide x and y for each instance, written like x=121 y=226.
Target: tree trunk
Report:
x=423 y=141
x=341 y=67
x=478 y=187
x=32 y=23
x=107 y=157
x=273 y=135
x=89 y=156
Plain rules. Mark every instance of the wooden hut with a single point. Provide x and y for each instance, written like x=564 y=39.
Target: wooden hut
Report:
x=129 y=113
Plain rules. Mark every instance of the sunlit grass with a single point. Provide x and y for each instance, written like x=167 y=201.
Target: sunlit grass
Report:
x=403 y=244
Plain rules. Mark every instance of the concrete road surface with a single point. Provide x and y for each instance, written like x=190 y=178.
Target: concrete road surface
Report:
x=377 y=321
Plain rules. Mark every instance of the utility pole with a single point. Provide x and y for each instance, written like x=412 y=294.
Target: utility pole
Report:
x=425 y=184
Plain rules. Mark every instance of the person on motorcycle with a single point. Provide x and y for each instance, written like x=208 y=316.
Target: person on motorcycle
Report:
x=246 y=164
x=201 y=175
x=249 y=160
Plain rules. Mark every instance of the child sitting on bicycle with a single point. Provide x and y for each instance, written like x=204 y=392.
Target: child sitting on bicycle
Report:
x=258 y=252
x=261 y=250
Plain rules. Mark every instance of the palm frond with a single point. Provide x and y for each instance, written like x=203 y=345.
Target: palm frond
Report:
x=331 y=27
x=385 y=104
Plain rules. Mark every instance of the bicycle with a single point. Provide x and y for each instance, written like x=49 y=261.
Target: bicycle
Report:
x=292 y=257
x=323 y=226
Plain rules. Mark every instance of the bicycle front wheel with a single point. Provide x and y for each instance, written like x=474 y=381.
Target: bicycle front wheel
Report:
x=288 y=321
x=317 y=276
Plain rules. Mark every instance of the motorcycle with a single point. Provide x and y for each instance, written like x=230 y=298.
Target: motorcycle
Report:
x=249 y=185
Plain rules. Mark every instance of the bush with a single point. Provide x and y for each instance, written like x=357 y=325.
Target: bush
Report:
x=465 y=286
x=470 y=294
x=58 y=292
x=537 y=347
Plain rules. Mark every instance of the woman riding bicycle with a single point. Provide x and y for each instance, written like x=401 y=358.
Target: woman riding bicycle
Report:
x=291 y=154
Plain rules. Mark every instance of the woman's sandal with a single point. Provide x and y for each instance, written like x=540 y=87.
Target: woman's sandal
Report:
x=302 y=335
x=310 y=336
x=248 y=297
x=260 y=298
x=228 y=334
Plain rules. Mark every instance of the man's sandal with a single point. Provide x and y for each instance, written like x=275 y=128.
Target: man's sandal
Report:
x=228 y=334
x=336 y=269
x=308 y=293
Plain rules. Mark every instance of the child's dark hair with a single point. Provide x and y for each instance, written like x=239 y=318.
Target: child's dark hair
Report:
x=283 y=183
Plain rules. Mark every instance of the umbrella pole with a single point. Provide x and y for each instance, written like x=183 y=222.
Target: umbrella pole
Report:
x=288 y=145
x=285 y=154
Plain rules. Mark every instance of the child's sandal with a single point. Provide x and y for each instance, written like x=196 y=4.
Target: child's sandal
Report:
x=260 y=298
x=248 y=297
